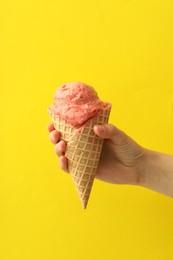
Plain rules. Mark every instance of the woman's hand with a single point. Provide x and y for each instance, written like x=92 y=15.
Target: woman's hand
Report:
x=120 y=158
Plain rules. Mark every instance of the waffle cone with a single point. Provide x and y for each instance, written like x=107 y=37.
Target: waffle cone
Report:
x=83 y=151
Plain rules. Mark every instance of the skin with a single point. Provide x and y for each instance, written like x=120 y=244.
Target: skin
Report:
x=123 y=161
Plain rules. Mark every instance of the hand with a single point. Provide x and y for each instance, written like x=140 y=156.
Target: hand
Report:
x=120 y=159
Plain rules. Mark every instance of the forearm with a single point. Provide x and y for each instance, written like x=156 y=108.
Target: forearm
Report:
x=156 y=172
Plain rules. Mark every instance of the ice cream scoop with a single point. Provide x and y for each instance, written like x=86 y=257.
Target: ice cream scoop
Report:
x=76 y=102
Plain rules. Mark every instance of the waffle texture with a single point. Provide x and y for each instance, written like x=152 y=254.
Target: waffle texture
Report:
x=83 y=151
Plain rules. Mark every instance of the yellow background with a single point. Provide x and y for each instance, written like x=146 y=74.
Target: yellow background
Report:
x=124 y=48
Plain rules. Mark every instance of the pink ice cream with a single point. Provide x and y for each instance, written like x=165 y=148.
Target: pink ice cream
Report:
x=75 y=102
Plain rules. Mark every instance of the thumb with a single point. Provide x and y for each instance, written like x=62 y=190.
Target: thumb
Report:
x=111 y=132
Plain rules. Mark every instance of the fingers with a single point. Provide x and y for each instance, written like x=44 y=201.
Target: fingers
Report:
x=59 y=145
x=54 y=136
x=63 y=163
x=50 y=128
x=60 y=148
x=111 y=132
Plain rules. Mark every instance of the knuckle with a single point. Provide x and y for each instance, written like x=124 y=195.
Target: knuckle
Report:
x=57 y=150
x=54 y=136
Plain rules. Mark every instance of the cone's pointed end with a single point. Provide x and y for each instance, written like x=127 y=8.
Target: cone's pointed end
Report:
x=84 y=206
x=84 y=203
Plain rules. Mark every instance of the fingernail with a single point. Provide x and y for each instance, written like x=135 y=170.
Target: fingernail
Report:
x=101 y=129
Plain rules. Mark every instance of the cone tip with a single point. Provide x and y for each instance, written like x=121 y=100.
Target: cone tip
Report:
x=84 y=203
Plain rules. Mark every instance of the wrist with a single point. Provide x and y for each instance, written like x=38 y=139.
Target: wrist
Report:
x=147 y=167
x=156 y=172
